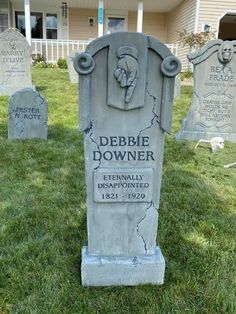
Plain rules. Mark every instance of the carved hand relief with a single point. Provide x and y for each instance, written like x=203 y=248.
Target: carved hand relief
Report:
x=225 y=52
x=127 y=71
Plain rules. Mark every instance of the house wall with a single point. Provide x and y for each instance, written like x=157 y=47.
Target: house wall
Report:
x=132 y=21
x=79 y=27
x=155 y=24
x=182 y=17
x=212 y=11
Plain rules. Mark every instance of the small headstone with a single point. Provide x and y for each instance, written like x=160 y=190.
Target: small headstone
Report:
x=177 y=88
x=15 y=62
x=27 y=115
x=125 y=96
x=213 y=109
x=72 y=73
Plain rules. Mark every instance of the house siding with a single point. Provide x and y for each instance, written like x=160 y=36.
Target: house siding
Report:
x=212 y=11
x=132 y=21
x=155 y=24
x=182 y=17
x=78 y=24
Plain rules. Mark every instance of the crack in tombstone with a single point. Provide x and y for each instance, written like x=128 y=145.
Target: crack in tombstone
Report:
x=40 y=97
x=155 y=118
x=142 y=219
x=19 y=125
x=89 y=132
x=135 y=261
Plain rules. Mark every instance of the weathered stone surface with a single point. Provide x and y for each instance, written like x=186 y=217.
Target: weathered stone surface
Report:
x=177 y=88
x=70 y=63
x=15 y=62
x=110 y=270
x=213 y=109
x=27 y=115
x=126 y=94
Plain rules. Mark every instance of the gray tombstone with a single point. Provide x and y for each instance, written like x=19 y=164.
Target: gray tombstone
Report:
x=15 y=62
x=213 y=109
x=125 y=97
x=27 y=115
x=177 y=90
x=72 y=73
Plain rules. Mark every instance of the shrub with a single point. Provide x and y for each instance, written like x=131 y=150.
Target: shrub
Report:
x=39 y=61
x=186 y=75
x=194 y=40
x=52 y=65
x=40 y=64
x=62 y=64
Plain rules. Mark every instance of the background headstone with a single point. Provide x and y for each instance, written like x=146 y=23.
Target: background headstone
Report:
x=125 y=96
x=27 y=115
x=177 y=90
x=15 y=62
x=213 y=109
x=72 y=73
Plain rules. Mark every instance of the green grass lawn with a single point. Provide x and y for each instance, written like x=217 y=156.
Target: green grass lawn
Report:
x=43 y=220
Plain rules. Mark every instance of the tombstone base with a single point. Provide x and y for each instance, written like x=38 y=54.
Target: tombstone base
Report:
x=122 y=270
x=197 y=135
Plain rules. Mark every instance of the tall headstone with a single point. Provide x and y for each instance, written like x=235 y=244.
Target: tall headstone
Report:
x=70 y=63
x=177 y=90
x=27 y=115
x=213 y=109
x=125 y=97
x=15 y=62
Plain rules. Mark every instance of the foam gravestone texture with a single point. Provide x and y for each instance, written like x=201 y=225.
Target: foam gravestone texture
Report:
x=27 y=115
x=125 y=97
x=213 y=109
x=177 y=90
x=72 y=73
x=15 y=62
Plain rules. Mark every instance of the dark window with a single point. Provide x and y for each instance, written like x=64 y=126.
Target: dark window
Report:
x=115 y=24
x=36 y=21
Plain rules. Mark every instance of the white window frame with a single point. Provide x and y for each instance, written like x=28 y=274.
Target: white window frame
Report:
x=50 y=27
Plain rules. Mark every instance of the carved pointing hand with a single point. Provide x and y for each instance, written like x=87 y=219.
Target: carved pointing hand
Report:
x=127 y=74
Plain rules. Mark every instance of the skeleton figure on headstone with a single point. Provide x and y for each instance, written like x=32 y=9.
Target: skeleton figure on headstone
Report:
x=225 y=52
x=216 y=143
x=127 y=71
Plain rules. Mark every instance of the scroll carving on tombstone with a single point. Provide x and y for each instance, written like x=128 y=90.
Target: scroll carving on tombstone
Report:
x=213 y=109
x=125 y=103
